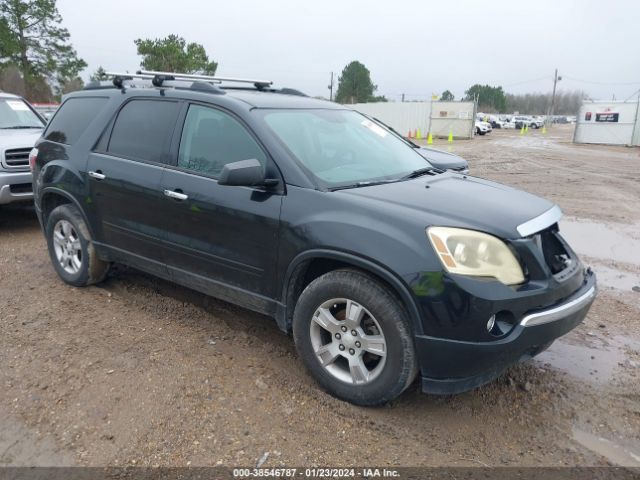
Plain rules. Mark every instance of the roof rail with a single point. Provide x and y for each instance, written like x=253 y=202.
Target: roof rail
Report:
x=119 y=78
x=206 y=83
x=158 y=79
x=259 y=84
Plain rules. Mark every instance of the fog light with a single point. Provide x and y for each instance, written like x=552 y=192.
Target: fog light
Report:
x=501 y=323
x=491 y=323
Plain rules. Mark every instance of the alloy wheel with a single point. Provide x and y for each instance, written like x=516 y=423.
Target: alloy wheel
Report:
x=348 y=341
x=66 y=244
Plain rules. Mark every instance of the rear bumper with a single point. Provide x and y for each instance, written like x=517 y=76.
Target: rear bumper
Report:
x=9 y=190
x=456 y=366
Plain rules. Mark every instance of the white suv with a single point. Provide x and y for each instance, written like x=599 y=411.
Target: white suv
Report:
x=20 y=127
x=482 y=128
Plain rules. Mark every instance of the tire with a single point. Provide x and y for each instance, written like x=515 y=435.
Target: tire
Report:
x=355 y=374
x=71 y=248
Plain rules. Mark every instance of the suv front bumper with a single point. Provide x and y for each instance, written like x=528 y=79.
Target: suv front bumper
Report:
x=13 y=187
x=453 y=366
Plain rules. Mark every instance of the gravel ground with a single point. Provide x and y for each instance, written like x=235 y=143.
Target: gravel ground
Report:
x=137 y=371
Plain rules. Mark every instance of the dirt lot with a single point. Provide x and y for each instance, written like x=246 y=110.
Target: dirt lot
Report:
x=139 y=371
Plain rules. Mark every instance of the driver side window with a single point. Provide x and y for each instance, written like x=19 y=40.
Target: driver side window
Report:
x=212 y=138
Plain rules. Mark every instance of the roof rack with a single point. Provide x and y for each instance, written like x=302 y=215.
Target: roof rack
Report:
x=259 y=84
x=205 y=83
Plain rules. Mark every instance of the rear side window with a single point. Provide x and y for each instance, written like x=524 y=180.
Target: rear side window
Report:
x=143 y=130
x=72 y=119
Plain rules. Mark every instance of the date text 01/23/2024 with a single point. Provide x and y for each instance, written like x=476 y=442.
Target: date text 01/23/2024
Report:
x=314 y=473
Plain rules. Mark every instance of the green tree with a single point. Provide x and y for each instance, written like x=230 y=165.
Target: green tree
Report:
x=447 y=96
x=174 y=54
x=33 y=40
x=490 y=99
x=99 y=74
x=8 y=44
x=355 y=85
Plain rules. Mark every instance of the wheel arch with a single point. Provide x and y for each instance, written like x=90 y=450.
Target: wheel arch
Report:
x=309 y=265
x=52 y=197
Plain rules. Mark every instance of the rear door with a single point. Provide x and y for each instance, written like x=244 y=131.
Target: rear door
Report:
x=124 y=177
x=222 y=239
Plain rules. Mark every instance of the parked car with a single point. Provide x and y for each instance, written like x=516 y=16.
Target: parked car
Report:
x=439 y=159
x=482 y=128
x=20 y=127
x=444 y=160
x=381 y=266
x=520 y=121
x=536 y=122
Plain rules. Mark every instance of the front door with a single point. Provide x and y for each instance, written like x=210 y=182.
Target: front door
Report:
x=221 y=239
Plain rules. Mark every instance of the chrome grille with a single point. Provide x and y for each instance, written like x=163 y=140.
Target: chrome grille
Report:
x=17 y=158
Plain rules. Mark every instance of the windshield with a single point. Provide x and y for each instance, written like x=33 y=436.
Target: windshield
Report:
x=14 y=113
x=343 y=147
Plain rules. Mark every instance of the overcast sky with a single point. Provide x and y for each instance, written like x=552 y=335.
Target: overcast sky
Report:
x=413 y=47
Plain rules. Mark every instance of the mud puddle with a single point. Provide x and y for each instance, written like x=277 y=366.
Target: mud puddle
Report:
x=599 y=364
x=613 y=452
x=616 y=279
x=618 y=242
x=607 y=243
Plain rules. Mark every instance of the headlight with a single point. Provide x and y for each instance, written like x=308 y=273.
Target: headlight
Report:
x=467 y=252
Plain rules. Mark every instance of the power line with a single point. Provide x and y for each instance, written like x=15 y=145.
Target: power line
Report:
x=633 y=95
x=546 y=77
x=600 y=83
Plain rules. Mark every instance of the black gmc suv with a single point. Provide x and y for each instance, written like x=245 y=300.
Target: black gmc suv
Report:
x=380 y=265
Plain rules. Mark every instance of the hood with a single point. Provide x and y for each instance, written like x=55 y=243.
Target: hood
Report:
x=442 y=160
x=21 y=138
x=455 y=200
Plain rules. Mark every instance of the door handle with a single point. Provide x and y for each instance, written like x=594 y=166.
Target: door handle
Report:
x=97 y=175
x=176 y=195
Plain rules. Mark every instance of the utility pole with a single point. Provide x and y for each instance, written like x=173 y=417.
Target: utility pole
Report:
x=556 y=79
x=331 y=88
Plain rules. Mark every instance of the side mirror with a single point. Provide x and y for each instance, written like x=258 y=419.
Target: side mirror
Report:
x=245 y=173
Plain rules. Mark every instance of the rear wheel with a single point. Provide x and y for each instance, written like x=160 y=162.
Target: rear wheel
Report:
x=353 y=336
x=71 y=248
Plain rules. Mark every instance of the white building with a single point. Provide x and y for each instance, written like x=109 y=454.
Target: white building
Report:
x=611 y=123
x=439 y=118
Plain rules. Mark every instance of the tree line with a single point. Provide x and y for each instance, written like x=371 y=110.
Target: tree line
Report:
x=355 y=86
x=496 y=100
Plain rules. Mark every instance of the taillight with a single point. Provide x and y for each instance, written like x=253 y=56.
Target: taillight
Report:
x=33 y=156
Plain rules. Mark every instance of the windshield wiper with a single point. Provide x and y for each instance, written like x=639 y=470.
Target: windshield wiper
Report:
x=418 y=173
x=16 y=127
x=361 y=184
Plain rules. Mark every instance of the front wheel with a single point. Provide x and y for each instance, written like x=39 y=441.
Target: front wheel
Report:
x=354 y=337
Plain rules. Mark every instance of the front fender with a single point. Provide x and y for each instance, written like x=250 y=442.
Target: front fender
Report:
x=285 y=310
